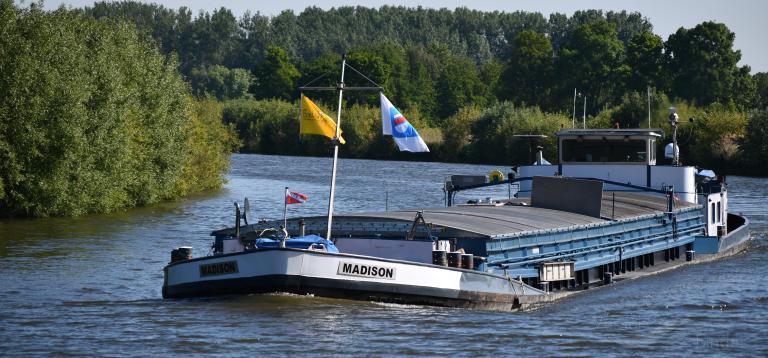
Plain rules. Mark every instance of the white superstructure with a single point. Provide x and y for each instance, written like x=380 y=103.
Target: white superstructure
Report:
x=626 y=156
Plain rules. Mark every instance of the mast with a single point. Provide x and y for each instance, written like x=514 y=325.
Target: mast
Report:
x=341 y=87
x=648 y=92
x=336 y=150
x=573 y=119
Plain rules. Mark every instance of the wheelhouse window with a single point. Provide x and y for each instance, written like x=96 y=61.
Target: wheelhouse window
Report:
x=601 y=150
x=719 y=218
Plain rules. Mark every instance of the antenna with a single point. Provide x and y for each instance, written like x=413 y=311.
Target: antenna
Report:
x=573 y=120
x=649 y=105
x=673 y=152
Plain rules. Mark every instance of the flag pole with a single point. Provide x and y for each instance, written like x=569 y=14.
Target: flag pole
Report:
x=648 y=89
x=285 y=209
x=301 y=97
x=573 y=119
x=335 y=150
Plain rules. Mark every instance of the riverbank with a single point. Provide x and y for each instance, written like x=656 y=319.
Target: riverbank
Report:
x=94 y=119
x=723 y=139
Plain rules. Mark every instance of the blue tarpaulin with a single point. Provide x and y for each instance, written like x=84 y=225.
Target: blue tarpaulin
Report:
x=300 y=242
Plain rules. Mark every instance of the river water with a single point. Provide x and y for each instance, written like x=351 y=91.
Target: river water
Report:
x=92 y=285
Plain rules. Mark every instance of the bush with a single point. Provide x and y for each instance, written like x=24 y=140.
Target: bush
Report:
x=93 y=118
x=209 y=146
x=754 y=144
x=221 y=82
x=272 y=127
x=716 y=133
x=493 y=134
x=458 y=135
x=264 y=126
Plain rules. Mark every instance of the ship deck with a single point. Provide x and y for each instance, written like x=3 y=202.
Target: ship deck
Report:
x=481 y=221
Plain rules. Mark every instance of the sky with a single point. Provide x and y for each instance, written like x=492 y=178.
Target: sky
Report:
x=746 y=18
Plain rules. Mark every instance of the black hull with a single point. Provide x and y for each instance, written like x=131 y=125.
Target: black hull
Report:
x=344 y=289
x=738 y=234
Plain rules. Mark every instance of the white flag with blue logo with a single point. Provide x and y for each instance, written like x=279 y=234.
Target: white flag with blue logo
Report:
x=394 y=123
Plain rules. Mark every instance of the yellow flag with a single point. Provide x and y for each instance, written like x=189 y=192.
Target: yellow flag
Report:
x=314 y=121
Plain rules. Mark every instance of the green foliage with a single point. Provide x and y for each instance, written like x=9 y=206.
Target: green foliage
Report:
x=209 y=143
x=716 y=132
x=458 y=136
x=603 y=54
x=645 y=56
x=703 y=63
x=276 y=76
x=591 y=61
x=221 y=82
x=632 y=111
x=528 y=75
x=459 y=86
x=92 y=118
x=441 y=67
x=493 y=133
x=761 y=84
x=270 y=127
x=754 y=145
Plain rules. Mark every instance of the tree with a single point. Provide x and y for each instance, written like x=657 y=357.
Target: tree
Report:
x=105 y=124
x=744 y=92
x=754 y=144
x=761 y=84
x=632 y=112
x=591 y=61
x=254 y=44
x=717 y=132
x=416 y=85
x=702 y=63
x=276 y=76
x=645 y=58
x=215 y=37
x=490 y=75
x=459 y=85
x=493 y=134
x=221 y=82
x=526 y=78
x=628 y=25
x=373 y=64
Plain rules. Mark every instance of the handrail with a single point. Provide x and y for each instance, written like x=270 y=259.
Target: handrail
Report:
x=453 y=189
x=505 y=263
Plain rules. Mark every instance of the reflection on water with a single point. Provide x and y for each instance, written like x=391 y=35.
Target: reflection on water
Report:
x=91 y=285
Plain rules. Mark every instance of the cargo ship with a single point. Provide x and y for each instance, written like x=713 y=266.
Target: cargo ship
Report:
x=605 y=213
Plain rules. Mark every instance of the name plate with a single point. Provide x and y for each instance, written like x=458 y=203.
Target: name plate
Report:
x=219 y=268
x=362 y=270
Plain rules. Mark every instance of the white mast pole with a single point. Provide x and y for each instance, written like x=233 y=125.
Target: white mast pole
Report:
x=649 y=105
x=584 y=114
x=335 y=150
x=285 y=209
x=573 y=125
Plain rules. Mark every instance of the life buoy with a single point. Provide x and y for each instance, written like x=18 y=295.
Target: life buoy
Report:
x=495 y=176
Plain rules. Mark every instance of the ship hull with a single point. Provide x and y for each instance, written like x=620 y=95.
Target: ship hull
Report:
x=344 y=276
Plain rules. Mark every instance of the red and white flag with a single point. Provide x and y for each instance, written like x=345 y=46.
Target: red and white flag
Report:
x=292 y=197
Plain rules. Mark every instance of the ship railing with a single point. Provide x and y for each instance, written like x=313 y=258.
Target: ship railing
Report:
x=520 y=261
x=452 y=189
